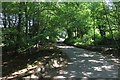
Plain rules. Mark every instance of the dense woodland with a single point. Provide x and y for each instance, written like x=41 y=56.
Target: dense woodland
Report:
x=27 y=25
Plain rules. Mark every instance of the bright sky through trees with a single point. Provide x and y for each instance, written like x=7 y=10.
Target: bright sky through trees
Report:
x=109 y=3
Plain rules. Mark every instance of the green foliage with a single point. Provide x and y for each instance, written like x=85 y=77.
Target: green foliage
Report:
x=26 y=24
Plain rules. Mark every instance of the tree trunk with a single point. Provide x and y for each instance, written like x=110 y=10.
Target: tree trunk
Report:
x=110 y=26
x=108 y=20
x=26 y=22
x=19 y=27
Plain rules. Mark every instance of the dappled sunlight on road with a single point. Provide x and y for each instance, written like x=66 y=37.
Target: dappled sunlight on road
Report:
x=61 y=77
x=79 y=63
x=65 y=46
x=88 y=64
x=85 y=55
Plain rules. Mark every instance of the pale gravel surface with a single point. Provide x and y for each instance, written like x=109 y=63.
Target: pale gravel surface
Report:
x=86 y=64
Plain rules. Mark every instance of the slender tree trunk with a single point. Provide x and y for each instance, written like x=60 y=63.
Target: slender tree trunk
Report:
x=26 y=22
x=9 y=21
x=110 y=26
x=94 y=26
x=19 y=27
x=94 y=31
x=108 y=20
x=70 y=33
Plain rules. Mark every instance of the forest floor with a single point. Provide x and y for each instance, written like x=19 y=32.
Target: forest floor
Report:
x=64 y=61
x=20 y=65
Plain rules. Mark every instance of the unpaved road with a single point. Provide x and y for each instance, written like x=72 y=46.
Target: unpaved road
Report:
x=86 y=64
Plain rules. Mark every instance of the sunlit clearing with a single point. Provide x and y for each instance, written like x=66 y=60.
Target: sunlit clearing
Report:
x=61 y=40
